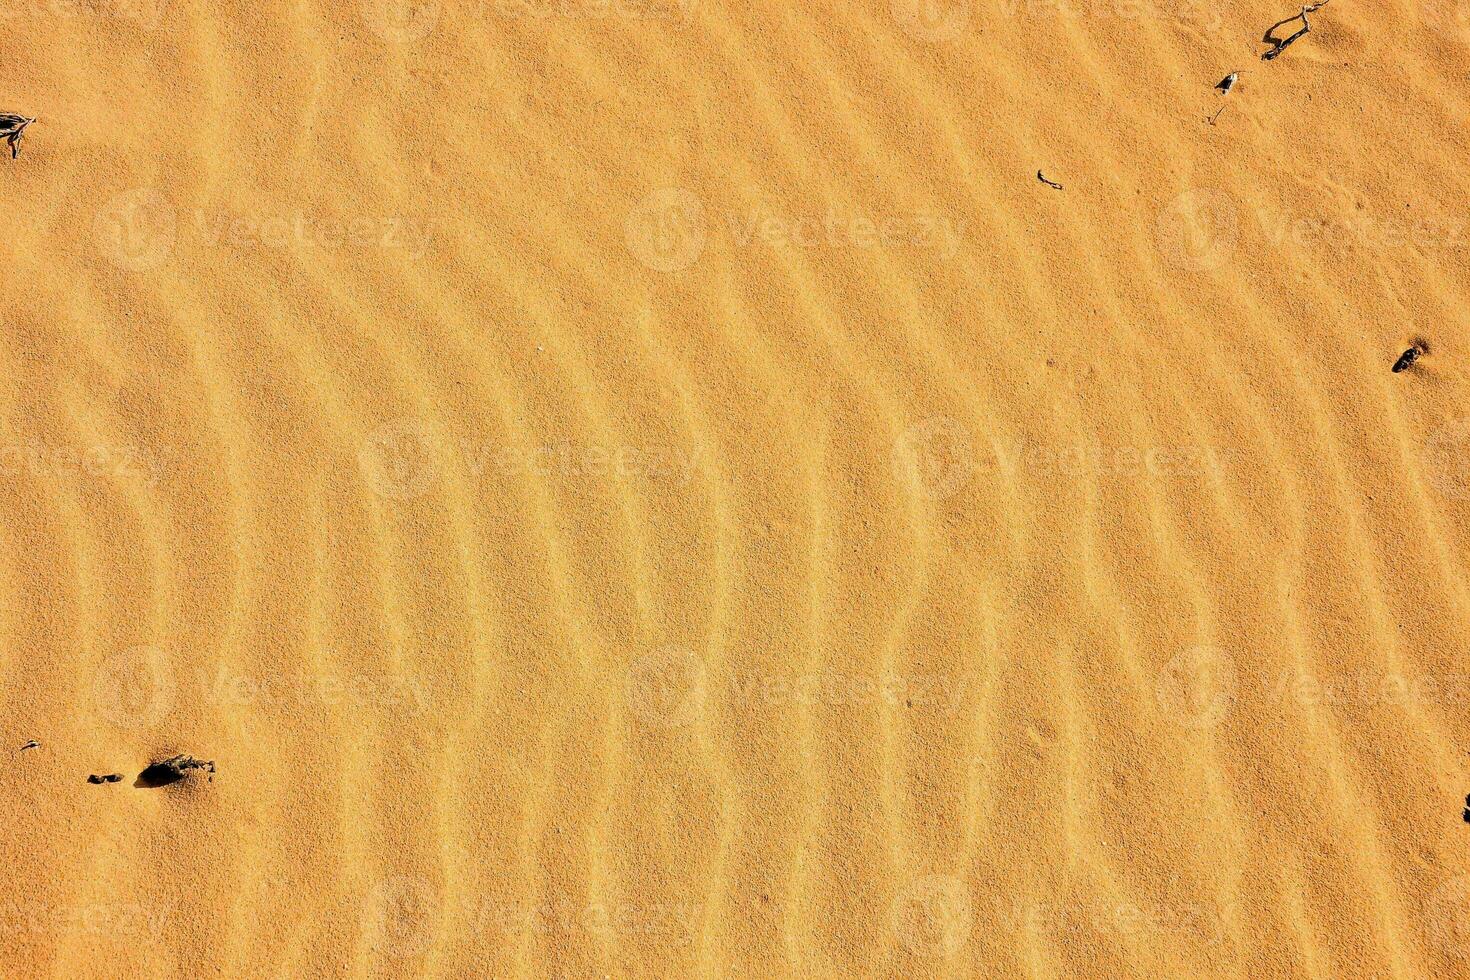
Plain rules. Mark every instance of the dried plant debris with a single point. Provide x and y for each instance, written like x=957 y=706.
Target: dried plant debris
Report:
x=1278 y=44
x=1224 y=85
x=32 y=744
x=12 y=128
x=173 y=769
x=1406 y=360
x=112 y=777
x=1049 y=183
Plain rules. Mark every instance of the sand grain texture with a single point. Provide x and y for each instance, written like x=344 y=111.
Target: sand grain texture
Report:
x=660 y=489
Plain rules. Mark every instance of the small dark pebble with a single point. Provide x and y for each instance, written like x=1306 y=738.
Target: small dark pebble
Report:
x=113 y=777
x=173 y=769
x=1466 y=814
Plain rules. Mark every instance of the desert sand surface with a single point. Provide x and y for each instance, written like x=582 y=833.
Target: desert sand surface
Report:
x=660 y=488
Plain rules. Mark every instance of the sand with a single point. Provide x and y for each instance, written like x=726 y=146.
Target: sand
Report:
x=659 y=488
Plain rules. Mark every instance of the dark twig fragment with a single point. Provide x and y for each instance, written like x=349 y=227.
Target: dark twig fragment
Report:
x=32 y=744
x=1048 y=183
x=1278 y=44
x=12 y=128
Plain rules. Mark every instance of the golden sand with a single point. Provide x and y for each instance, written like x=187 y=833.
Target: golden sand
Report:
x=659 y=488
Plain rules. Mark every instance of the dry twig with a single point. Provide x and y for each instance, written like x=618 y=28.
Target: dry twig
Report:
x=12 y=128
x=1278 y=44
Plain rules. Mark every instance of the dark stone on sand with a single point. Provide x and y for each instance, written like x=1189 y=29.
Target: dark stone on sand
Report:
x=171 y=770
x=1406 y=360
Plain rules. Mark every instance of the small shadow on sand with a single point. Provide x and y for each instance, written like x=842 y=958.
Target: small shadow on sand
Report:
x=173 y=769
x=156 y=775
